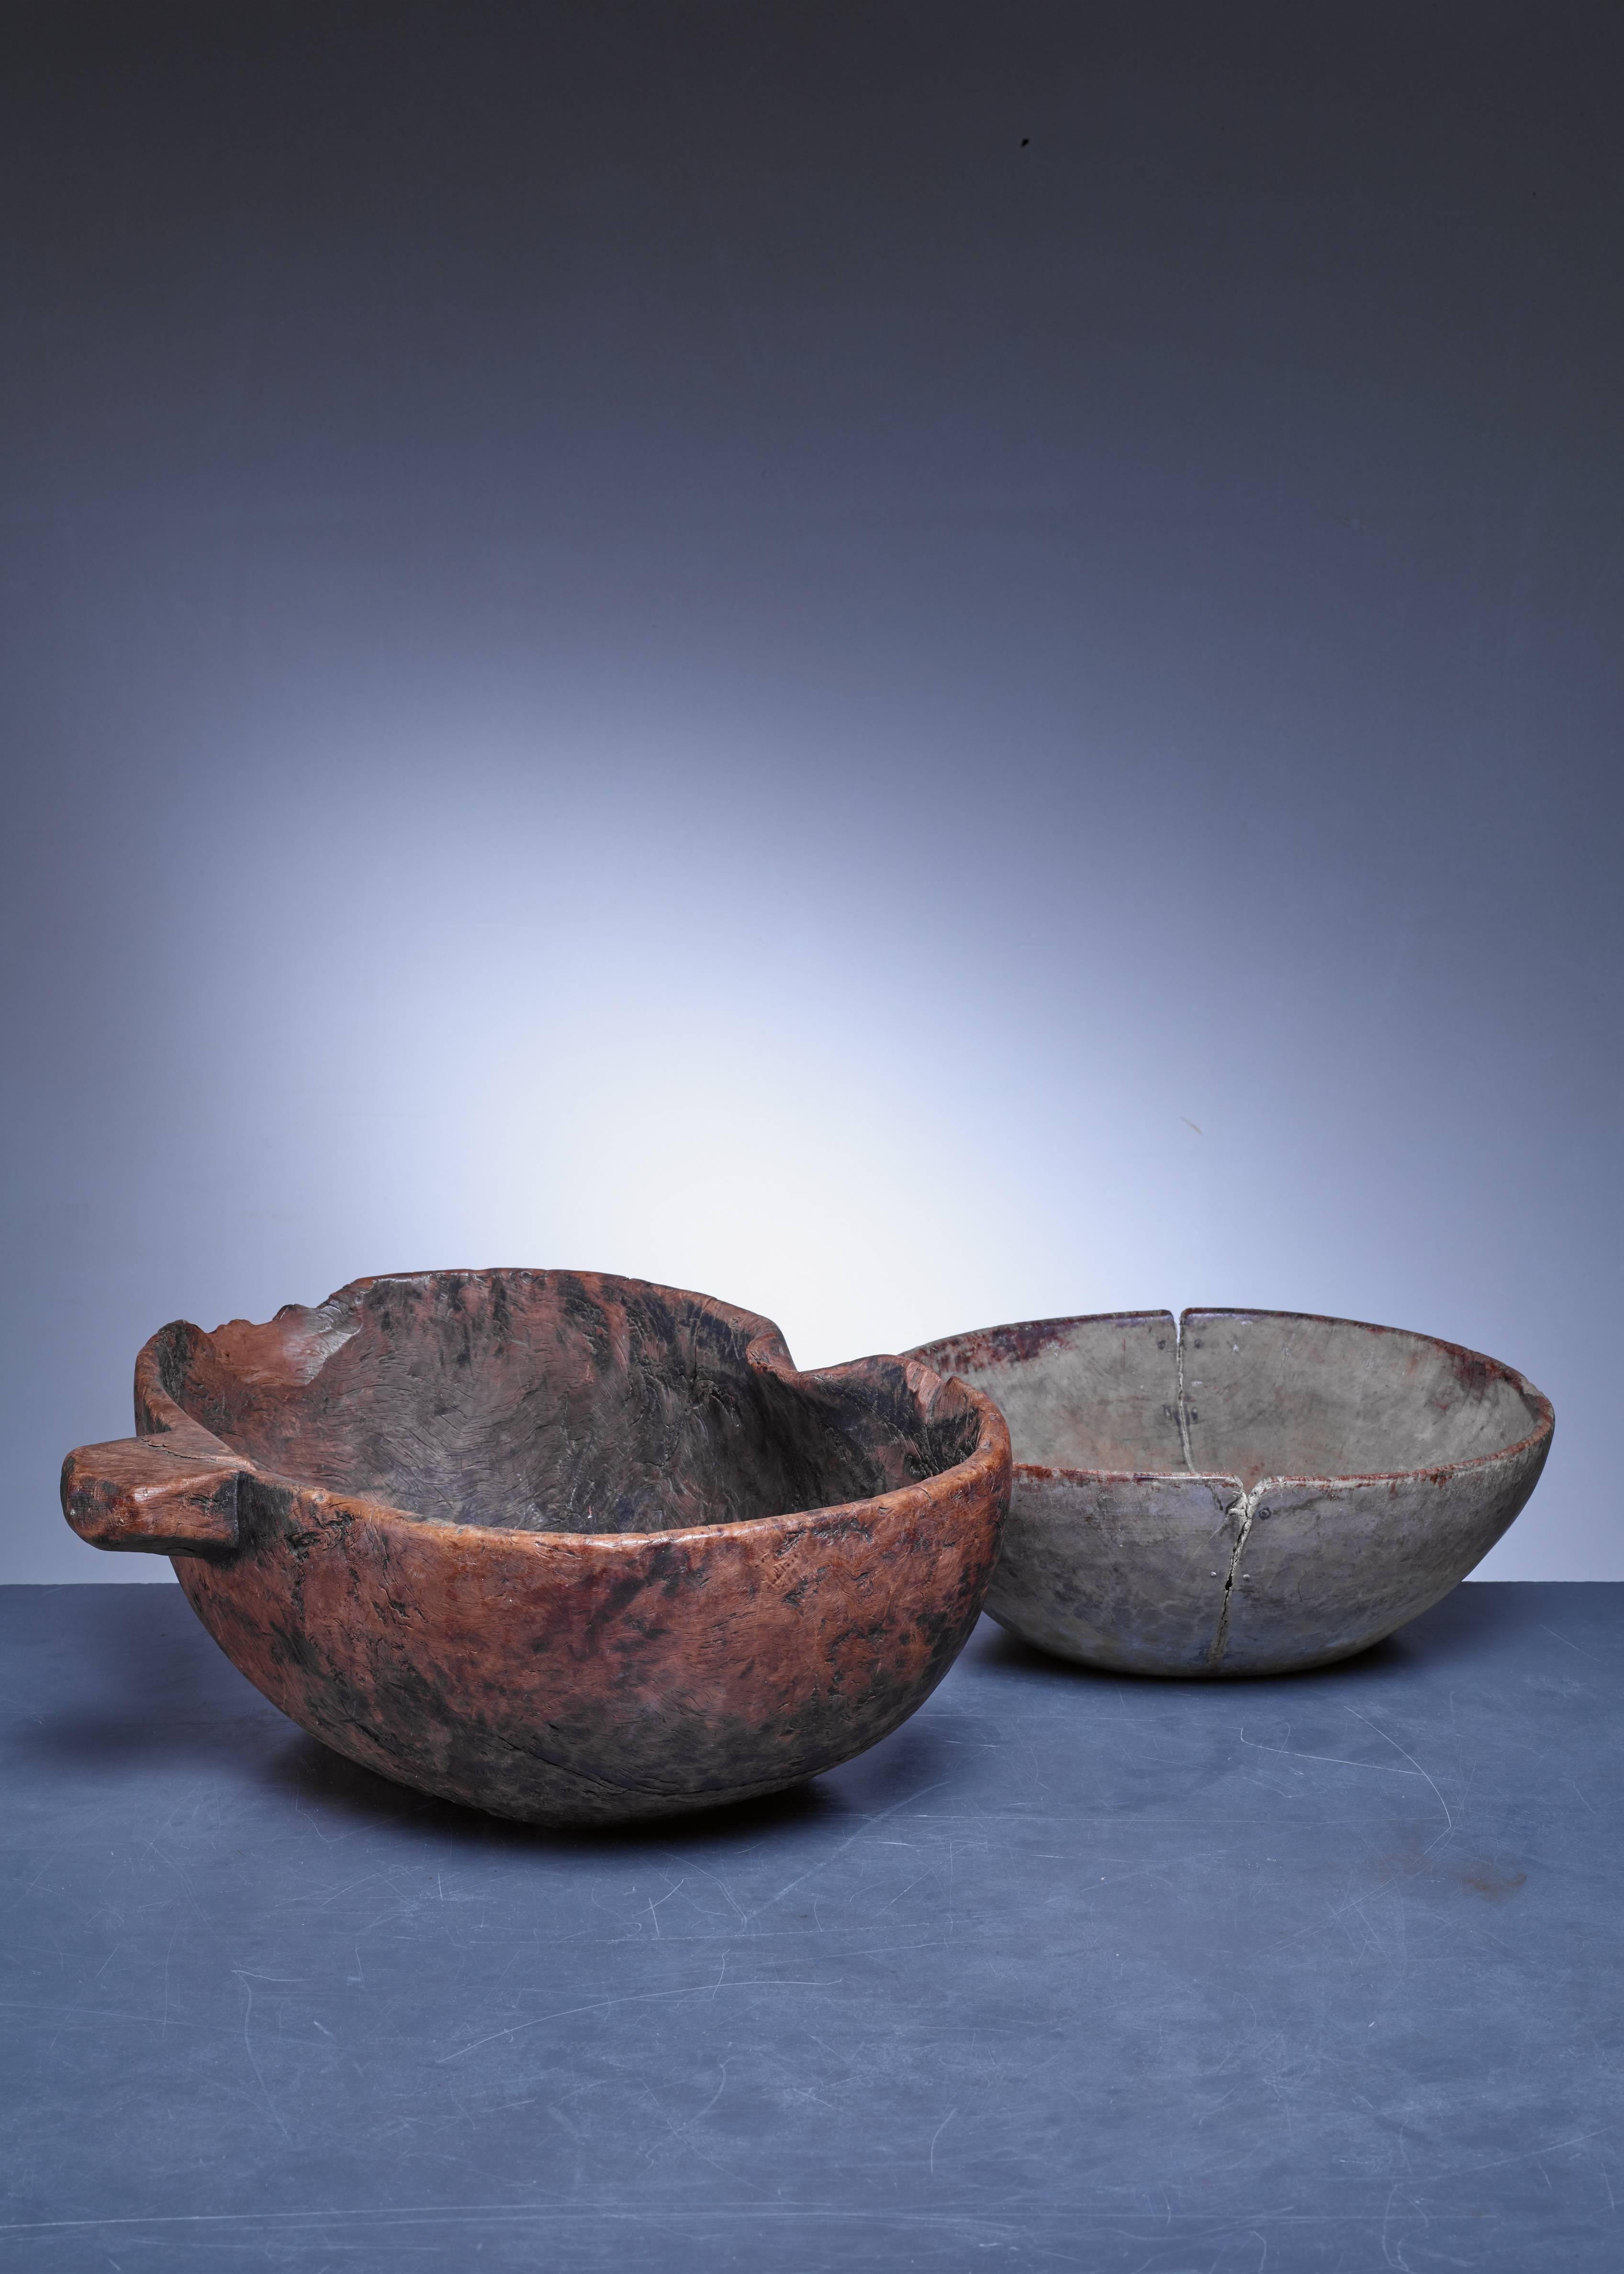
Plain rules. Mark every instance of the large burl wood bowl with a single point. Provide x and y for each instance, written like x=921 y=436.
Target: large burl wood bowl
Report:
x=1243 y=1492
x=566 y=1548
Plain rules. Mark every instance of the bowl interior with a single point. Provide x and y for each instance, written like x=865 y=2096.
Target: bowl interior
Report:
x=1239 y=1394
x=553 y=1402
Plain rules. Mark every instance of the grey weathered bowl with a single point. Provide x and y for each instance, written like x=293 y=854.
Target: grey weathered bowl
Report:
x=1243 y=1492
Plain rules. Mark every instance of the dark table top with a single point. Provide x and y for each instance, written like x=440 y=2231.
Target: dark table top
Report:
x=1071 y=1972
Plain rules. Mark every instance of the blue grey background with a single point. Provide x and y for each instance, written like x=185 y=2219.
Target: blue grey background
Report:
x=916 y=665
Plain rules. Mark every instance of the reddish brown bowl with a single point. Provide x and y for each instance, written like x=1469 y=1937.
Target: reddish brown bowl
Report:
x=567 y=1547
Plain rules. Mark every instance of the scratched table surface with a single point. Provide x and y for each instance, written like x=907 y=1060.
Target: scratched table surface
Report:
x=1071 y=1972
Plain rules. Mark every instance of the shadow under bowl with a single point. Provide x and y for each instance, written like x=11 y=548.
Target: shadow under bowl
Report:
x=1242 y=1492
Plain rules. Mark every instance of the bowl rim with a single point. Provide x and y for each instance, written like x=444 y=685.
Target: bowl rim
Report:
x=1436 y=1471
x=765 y=1352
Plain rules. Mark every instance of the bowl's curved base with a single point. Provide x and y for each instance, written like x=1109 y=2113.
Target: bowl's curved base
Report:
x=1185 y=1576
x=573 y=1803
x=574 y=1683
x=1101 y=1660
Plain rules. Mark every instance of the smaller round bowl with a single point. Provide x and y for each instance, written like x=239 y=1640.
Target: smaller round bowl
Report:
x=1243 y=1492
x=567 y=1547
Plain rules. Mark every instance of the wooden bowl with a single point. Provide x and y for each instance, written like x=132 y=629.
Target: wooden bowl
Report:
x=1246 y=1492
x=566 y=1548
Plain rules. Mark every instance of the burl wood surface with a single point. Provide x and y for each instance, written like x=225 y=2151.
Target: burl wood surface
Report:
x=566 y=1548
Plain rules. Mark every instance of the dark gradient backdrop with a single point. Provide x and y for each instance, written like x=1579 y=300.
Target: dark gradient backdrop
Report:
x=916 y=663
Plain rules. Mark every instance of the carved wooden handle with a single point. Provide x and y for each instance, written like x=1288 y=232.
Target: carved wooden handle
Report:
x=137 y=1493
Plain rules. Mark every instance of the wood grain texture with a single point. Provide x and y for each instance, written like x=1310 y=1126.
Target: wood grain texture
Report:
x=1242 y=1492
x=566 y=1548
